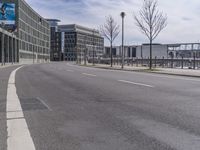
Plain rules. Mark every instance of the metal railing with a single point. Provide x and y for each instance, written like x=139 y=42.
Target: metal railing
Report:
x=181 y=63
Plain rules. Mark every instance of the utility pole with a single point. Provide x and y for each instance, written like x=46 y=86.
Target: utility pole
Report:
x=122 y=15
x=33 y=55
x=85 y=50
x=93 y=49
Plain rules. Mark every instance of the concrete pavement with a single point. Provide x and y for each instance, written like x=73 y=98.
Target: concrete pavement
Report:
x=4 y=76
x=81 y=108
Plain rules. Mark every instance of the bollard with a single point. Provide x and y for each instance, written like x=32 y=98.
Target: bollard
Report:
x=142 y=62
x=172 y=63
x=182 y=63
x=155 y=61
x=132 y=62
x=194 y=63
x=163 y=61
x=136 y=62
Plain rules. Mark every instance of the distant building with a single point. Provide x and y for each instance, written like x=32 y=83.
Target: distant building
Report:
x=56 y=41
x=71 y=41
x=79 y=40
x=158 y=50
x=185 y=50
x=129 y=51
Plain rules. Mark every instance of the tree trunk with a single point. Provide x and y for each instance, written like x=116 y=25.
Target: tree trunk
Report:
x=111 y=55
x=150 y=65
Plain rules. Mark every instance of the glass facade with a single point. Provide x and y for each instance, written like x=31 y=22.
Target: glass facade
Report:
x=79 y=40
x=56 y=41
x=33 y=33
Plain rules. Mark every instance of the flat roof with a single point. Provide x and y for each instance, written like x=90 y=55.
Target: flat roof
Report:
x=56 y=20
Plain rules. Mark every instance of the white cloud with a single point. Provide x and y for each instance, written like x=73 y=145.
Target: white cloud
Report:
x=183 y=16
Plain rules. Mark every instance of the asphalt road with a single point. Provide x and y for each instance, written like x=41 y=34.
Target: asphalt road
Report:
x=69 y=107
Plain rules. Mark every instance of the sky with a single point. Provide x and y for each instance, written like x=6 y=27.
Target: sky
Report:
x=183 y=17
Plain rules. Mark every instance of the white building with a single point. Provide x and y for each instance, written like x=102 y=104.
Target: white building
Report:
x=185 y=50
x=158 y=50
x=138 y=51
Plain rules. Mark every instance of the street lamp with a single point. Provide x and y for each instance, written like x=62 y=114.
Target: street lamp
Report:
x=123 y=16
x=93 y=49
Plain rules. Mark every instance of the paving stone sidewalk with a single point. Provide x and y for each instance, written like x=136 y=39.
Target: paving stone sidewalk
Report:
x=7 y=65
x=169 y=71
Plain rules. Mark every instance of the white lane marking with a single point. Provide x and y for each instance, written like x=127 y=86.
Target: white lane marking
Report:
x=45 y=104
x=83 y=67
x=141 y=84
x=92 y=75
x=69 y=64
x=171 y=77
x=19 y=137
x=177 y=138
x=70 y=70
x=179 y=77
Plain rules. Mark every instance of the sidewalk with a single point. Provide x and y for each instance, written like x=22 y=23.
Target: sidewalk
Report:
x=169 y=71
x=8 y=65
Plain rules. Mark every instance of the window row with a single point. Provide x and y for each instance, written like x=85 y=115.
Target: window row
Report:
x=27 y=37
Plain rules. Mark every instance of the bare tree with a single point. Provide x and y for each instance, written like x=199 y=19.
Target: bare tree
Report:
x=110 y=30
x=151 y=22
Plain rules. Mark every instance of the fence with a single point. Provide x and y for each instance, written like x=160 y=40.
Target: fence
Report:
x=183 y=63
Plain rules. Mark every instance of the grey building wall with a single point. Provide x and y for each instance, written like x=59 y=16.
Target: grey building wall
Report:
x=186 y=50
x=129 y=51
x=56 y=40
x=158 y=51
x=33 y=33
x=8 y=47
x=79 y=40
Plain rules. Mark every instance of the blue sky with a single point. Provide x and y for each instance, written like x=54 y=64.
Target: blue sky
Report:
x=183 y=17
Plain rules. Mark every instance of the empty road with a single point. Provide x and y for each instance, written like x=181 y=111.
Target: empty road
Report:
x=60 y=106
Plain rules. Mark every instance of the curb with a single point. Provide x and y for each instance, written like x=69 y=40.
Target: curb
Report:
x=6 y=66
x=143 y=71
x=183 y=75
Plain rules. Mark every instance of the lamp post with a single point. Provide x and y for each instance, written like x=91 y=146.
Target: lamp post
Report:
x=123 y=16
x=93 y=49
x=85 y=50
x=12 y=49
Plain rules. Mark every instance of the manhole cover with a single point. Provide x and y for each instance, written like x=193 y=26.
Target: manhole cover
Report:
x=31 y=104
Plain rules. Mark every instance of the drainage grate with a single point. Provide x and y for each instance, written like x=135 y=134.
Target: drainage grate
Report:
x=31 y=104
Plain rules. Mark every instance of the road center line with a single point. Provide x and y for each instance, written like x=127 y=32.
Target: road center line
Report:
x=19 y=137
x=141 y=84
x=92 y=75
x=45 y=104
x=70 y=70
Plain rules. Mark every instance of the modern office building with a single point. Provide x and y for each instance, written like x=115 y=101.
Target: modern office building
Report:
x=158 y=50
x=56 y=51
x=185 y=50
x=139 y=51
x=179 y=50
x=8 y=47
x=79 y=40
x=129 y=51
x=31 y=30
